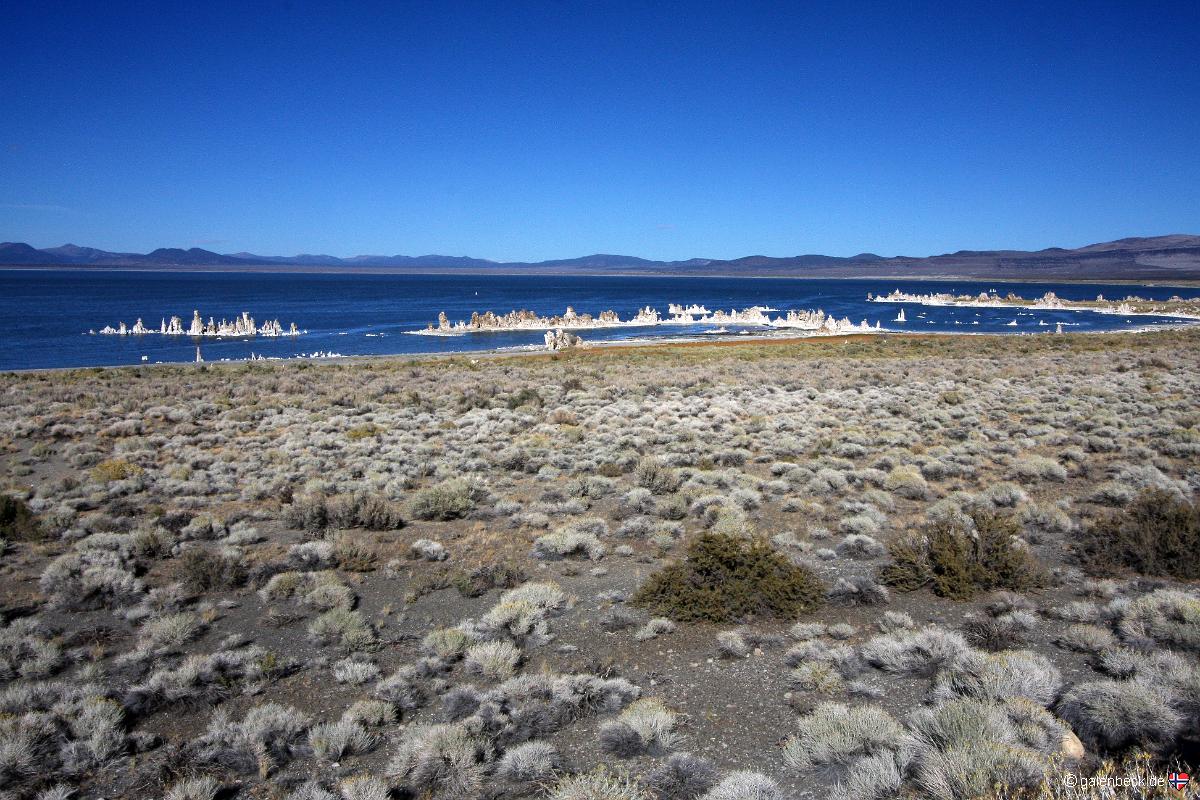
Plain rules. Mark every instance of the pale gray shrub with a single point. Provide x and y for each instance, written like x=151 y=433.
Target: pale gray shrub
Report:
x=681 y=776
x=1116 y=714
x=965 y=747
x=27 y=651
x=354 y=673
x=1000 y=676
x=1005 y=495
x=731 y=644
x=894 y=621
x=861 y=546
x=1168 y=617
x=204 y=787
x=922 y=652
x=496 y=660
x=429 y=550
x=654 y=628
x=440 y=762
x=1087 y=639
x=529 y=762
x=858 y=590
x=745 y=785
x=332 y=741
x=317 y=555
x=841 y=630
x=365 y=787
x=267 y=736
x=169 y=631
x=803 y=631
x=1032 y=468
x=569 y=540
x=599 y=784
x=835 y=735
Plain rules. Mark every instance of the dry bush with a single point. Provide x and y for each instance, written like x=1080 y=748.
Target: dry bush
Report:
x=959 y=563
x=1157 y=534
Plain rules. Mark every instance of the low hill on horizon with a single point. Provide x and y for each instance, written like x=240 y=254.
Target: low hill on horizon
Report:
x=1174 y=256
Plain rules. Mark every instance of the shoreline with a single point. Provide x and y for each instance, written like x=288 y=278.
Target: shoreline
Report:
x=1032 y=305
x=1160 y=282
x=611 y=346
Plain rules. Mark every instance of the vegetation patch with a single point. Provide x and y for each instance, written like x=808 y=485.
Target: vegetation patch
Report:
x=445 y=501
x=17 y=522
x=1157 y=534
x=958 y=561
x=726 y=578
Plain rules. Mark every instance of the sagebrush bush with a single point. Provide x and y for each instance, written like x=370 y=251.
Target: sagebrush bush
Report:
x=440 y=762
x=339 y=626
x=652 y=474
x=727 y=578
x=307 y=513
x=965 y=747
x=529 y=762
x=681 y=776
x=601 y=783
x=448 y=500
x=1157 y=534
x=1117 y=714
x=834 y=735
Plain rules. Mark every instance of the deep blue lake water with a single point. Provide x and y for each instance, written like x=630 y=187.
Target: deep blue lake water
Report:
x=45 y=315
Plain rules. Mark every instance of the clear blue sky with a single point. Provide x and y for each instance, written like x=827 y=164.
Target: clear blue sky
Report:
x=517 y=131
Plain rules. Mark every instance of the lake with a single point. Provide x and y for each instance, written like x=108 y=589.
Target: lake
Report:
x=45 y=314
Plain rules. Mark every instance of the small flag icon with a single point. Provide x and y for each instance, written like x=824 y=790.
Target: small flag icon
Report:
x=1178 y=780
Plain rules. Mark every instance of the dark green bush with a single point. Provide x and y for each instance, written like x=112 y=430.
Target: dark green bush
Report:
x=726 y=578
x=525 y=397
x=959 y=563
x=1156 y=534
x=17 y=522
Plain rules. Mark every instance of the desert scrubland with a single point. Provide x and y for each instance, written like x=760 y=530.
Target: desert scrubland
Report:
x=873 y=567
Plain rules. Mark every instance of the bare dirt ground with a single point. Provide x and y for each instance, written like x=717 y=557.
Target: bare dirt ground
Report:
x=419 y=578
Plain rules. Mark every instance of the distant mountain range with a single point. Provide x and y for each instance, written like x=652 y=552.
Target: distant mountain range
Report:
x=1143 y=258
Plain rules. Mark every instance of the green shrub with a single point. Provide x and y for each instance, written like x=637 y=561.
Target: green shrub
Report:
x=1157 y=534
x=448 y=500
x=17 y=522
x=959 y=563
x=366 y=431
x=484 y=578
x=114 y=470
x=726 y=578
x=909 y=568
x=525 y=397
x=354 y=554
